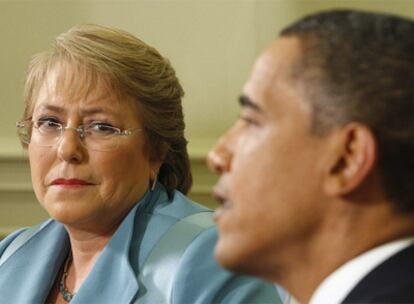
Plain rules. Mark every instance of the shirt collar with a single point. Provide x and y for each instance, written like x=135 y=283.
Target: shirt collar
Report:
x=339 y=284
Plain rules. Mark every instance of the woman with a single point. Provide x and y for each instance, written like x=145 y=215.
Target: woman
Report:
x=103 y=126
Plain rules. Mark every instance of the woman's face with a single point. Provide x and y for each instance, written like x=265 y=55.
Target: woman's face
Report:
x=80 y=187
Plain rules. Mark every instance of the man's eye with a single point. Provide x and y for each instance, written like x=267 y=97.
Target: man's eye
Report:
x=248 y=120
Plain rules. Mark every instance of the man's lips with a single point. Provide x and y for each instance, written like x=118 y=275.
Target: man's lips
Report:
x=221 y=197
x=72 y=182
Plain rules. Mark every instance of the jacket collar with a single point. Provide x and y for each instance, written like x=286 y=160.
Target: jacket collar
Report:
x=112 y=279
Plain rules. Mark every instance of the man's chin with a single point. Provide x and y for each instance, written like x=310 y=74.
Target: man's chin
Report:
x=230 y=257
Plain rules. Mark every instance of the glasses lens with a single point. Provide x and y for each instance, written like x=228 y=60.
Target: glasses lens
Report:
x=46 y=134
x=23 y=131
x=101 y=137
x=107 y=143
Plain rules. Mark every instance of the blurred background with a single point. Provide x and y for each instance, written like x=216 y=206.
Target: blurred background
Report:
x=211 y=43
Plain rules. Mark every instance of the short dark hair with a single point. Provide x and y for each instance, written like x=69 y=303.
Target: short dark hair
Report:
x=359 y=66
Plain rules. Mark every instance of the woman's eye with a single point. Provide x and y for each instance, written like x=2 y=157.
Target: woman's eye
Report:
x=48 y=123
x=102 y=128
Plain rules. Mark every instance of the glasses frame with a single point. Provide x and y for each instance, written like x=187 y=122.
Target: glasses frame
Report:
x=25 y=127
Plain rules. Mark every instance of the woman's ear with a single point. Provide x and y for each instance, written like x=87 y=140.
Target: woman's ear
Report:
x=354 y=153
x=154 y=169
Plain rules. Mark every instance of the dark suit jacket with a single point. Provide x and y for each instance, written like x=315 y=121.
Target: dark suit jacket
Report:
x=390 y=282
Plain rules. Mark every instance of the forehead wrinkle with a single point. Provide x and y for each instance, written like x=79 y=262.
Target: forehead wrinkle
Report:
x=50 y=107
x=116 y=113
x=83 y=111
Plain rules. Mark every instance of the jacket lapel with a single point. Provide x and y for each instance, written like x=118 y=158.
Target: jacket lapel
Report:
x=112 y=279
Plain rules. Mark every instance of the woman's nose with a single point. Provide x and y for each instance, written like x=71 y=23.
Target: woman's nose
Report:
x=70 y=147
x=219 y=158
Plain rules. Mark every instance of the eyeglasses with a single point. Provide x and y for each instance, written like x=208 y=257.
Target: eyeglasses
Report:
x=47 y=132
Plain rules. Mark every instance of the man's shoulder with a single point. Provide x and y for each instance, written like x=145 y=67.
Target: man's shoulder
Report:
x=390 y=282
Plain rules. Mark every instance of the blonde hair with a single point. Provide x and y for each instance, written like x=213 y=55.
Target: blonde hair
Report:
x=132 y=69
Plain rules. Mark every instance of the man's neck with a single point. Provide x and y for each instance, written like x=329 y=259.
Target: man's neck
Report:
x=334 y=245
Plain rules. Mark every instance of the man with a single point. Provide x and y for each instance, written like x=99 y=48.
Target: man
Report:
x=317 y=180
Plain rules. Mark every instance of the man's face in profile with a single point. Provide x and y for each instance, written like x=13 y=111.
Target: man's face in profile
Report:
x=270 y=164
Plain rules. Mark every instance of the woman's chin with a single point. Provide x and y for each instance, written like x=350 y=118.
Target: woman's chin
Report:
x=66 y=212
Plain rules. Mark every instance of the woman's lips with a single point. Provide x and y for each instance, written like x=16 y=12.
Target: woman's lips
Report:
x=70 y=183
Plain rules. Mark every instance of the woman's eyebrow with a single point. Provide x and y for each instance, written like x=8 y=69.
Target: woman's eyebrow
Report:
x=83 y=112
x=50 y=107
x=96 y=110
x=100 y=110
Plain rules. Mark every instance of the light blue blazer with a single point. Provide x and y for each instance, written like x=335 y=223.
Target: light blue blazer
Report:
x=118 y=276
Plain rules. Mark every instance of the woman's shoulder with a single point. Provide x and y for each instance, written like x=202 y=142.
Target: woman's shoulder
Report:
x=14 y=241
x=19 y=238
x=172 y=218
x=10 y=238
x=200 y=279
x=174 y=244
x=179 y=206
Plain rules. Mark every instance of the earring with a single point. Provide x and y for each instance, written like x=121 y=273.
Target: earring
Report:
x=154 y=182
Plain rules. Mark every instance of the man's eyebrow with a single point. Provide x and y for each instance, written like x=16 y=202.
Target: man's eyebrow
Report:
x=245 y=101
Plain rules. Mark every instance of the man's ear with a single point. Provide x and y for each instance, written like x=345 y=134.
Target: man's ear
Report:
x=354 y=153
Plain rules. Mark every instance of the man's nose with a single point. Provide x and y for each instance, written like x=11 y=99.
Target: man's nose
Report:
x=219 y=158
